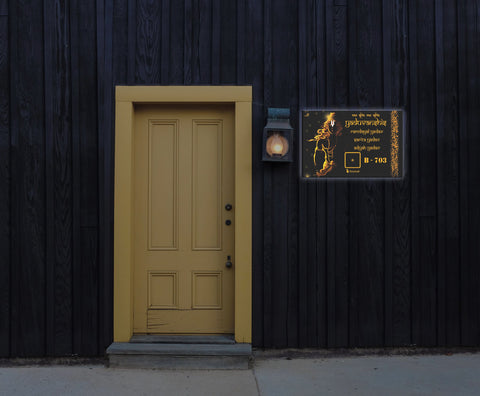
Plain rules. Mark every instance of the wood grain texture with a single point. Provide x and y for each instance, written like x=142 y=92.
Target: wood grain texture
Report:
x=188 y=43
x=335 y=264
x=302 y=188
x=388 y=36
x=267 y=192
x=120 y=56
x=241 y=44
x=3 y=7
x=203 y=40
x=338 y=204
x=28 y=264
x=469 y=99
x=4 y=185
x=148 y=43
x=255 y=76
x=59 y=178
x=414 y=173
x=448 y=183
x=282 y=38
x=396 y=95
x=368 y=216
x=132 y=41
x=427 y=197
x=106 y=150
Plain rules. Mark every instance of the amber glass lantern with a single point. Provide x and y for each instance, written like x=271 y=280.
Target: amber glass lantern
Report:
x=277 y=136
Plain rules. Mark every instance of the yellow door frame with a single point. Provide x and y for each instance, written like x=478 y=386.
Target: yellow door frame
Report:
x=126 y=98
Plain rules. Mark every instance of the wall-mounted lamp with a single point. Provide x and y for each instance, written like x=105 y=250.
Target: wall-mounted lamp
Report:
x=277 y=136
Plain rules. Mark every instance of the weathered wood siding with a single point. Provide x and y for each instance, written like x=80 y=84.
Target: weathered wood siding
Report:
x=335 y=264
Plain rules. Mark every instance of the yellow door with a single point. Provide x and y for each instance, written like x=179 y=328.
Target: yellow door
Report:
x=184 y=219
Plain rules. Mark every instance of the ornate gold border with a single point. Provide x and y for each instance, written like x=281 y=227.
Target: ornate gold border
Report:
x=395 y=143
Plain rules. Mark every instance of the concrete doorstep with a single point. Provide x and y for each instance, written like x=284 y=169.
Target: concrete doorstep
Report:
x=179 y=356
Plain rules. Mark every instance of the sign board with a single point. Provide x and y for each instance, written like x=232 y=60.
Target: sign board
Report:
x=351 y=143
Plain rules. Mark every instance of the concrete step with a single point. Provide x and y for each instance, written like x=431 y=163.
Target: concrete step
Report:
x=179 y=356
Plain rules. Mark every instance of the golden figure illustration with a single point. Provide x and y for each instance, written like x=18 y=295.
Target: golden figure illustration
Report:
x=324 y=137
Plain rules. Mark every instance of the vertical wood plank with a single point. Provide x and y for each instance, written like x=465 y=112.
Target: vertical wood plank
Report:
x=353 y=189
x=369 y=216
x=85 y=99
x=216 y=42
x=105 y=199
x=279 y=174
x=469 y=99
x=120 y=42
x=188 y=42
x=28 y=186
x=268 y=313
x=427 y=183
x=302 y=191
x=132 y=41
x=388 y=37
x=414 y=171
x=337 y=193
x=284 y=95
x=318 y=265
x=165 y=43
x=148 y=44
x=76 y=188
x=396 y=96
x=341 y=188
x=254 y=70
x=58 y=181
x=177 y=31
x=293 y=184
x=447 y=113
x=241 y=43
x=202 y=39
x=176 y=34
x=4 y=183
x=229 y=37
x=307 y=54
x=103 y=127
x=49 y=35
x=441 y=210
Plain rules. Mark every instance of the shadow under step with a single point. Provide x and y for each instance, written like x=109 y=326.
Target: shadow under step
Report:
x=179 y=356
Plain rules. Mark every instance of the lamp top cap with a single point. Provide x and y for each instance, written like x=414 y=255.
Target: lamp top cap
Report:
x=277 y=112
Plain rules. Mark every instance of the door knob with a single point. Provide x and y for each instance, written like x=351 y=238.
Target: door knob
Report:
x=228 y=207
x=228 y=264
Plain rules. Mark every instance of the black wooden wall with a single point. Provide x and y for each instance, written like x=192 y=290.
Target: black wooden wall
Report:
x=335 y=264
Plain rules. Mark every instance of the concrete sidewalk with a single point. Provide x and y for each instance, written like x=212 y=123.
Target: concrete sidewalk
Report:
x=458 y=374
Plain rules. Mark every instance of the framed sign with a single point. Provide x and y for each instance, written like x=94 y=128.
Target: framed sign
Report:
x=355 y=143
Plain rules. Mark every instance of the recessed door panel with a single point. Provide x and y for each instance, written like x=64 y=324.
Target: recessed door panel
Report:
x=162 y=184
x=207 y=185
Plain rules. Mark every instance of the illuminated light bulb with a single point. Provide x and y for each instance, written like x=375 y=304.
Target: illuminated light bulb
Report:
x=277 y=145
x=277 y=148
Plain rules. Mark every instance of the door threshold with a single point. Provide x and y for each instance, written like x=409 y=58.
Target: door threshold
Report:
x=182 y=339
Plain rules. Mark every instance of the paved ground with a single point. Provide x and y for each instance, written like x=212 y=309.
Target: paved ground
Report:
x=458 y=374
